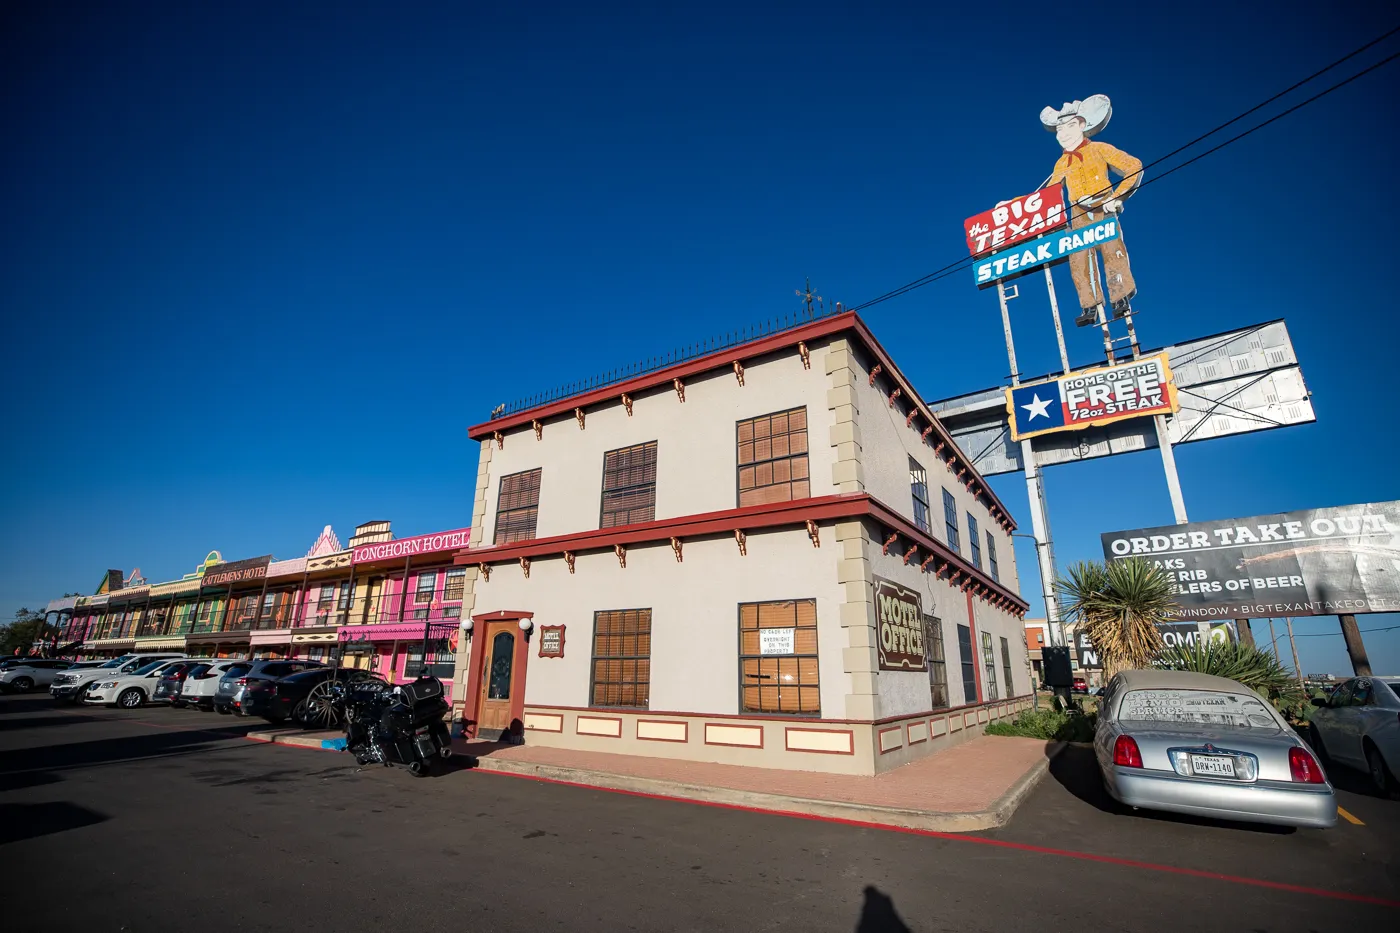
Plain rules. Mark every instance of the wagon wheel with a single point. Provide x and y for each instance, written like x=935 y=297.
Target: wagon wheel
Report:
x=318 y=710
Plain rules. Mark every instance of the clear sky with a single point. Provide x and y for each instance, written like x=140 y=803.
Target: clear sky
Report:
x=265 y=262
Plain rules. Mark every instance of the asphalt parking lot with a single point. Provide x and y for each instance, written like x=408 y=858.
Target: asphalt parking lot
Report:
x=160 y=819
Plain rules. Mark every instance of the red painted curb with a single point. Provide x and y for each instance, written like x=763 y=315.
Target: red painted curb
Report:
x=979 y=840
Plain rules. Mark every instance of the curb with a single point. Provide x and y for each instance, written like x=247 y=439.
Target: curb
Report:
x=993 y=817
x=297 y=739
x=973 y=821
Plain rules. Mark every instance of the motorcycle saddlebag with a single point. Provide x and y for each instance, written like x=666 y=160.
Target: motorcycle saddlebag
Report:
x=422 y=690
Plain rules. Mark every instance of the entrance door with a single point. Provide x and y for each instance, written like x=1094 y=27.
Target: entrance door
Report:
x=497 y=676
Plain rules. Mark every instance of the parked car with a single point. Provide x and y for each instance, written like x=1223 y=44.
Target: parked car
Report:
x=172 y=681
x=1359 y=725
x=233 y=692
x=305 y=696
x=1207 y=746
x=71 y=685
x=202 y=682
x=1080 y=685
x=34 y=672
x=132 y=690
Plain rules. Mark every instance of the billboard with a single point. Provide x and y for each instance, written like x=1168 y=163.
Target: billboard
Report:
x=1092 y=396
x=1053 y=247
x=1341 y=560
x=1015 y=220
x=408 y=547
x=238 y=571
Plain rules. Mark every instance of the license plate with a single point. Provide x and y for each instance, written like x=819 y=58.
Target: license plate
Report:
x=1213 y=765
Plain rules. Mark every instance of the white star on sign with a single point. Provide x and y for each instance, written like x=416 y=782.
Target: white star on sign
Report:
x=1037 y=407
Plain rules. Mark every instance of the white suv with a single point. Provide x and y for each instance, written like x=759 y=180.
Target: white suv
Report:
x=131 y=690
x=70 y=685
x=199 y=689
x=35 y=672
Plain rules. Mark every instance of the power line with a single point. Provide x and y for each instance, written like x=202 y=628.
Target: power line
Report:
x=958 y=264
x=1388 y=628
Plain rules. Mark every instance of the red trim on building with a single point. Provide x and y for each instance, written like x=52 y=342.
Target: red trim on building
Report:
x=662 y=722
x=848 y=733
x=746 y=518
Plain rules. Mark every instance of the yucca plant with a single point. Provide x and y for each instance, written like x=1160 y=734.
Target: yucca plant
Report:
x=1246 y=664
x=1119 y=607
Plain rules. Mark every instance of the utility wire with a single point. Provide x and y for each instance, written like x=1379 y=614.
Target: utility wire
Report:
x=962 y=262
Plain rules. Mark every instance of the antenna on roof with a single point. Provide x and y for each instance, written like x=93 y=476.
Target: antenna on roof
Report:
x=808 y=299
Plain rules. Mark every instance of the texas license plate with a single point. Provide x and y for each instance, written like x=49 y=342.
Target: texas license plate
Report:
x=1213 y=765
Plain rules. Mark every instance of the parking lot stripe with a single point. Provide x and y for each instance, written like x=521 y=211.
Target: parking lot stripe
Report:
x=982 y=840
x=1349 y=818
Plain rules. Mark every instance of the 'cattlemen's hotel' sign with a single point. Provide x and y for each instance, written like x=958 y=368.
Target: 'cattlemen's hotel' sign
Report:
x=238 y=571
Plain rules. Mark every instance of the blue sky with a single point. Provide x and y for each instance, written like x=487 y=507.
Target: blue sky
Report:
x=265 y=262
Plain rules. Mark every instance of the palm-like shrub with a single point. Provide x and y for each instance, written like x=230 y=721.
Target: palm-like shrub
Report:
x=1119 y=607
x=1246 y=664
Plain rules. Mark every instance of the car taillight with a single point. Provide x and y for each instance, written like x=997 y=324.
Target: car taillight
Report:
x=242 y=681
x=1126 y=753
x=1304 y=767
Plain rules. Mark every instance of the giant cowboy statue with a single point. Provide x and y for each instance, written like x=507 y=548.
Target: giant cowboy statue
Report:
x=1083 y=167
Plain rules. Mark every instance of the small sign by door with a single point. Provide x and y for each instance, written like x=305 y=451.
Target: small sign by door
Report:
x=551 y=641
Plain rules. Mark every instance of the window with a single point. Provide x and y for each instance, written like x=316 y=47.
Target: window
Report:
x=442 y=661
x=451 y=612
x=989 y=665
x=1040 y=638
x=316 y=654
x=1006 y=667
x=937 y=666
x=992 y=557
x=622 y=658
x=950 y=521
x=629 y=485
x=778 y=657
x=455 y=584
x=974 y=541
x=773 y=458
x=969 y=666
x=426 y=586
x=918 y=485
x=518 y=507
x=344 y=601
x=326 y=597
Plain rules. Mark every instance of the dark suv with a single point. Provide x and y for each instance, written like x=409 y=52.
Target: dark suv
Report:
x=248 y=693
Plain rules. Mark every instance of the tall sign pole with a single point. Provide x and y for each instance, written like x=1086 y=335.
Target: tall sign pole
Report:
x=1035 y=490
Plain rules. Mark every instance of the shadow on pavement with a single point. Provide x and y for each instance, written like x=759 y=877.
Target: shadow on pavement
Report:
x=1077 y=771
x=12 y=723
x=125 y=748
x=23 y=779
x=877 y=914
x=26 y=820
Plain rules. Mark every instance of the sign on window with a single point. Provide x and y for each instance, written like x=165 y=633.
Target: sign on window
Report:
x=777 y=641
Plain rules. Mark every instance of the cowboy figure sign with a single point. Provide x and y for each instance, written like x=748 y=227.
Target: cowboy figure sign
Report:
x=1083 y=167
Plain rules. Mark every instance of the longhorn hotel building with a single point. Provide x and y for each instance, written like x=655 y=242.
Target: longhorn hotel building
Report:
x=770 y=555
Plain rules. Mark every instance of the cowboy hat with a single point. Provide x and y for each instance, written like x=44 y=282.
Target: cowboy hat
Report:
x=1094 y=111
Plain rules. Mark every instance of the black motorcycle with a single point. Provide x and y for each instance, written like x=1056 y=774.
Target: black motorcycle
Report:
x=397 y=725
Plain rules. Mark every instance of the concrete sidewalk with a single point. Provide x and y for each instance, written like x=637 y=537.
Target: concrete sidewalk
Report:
x=972 y=786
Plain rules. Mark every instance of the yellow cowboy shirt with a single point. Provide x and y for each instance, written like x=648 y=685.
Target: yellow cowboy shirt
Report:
x=1085 y=172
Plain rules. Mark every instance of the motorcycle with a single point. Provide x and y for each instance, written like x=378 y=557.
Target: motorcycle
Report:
x=397 y=725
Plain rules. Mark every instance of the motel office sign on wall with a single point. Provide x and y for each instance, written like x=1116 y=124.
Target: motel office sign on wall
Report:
x=1337 y=561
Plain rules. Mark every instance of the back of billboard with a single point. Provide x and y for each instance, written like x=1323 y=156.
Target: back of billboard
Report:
x=1341 y=560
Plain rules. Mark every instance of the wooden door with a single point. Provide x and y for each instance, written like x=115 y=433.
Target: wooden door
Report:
x=497 y=675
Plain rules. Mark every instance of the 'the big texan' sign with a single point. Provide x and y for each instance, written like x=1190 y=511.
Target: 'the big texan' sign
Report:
x=899 y=623
x=1337 y=561
x=1092 y=396
x=1053 y=248
x=1015 y=220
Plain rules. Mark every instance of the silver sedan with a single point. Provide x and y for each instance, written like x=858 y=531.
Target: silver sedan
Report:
x=1207 y=746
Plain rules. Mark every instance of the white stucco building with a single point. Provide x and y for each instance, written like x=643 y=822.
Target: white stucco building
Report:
x=770 y=555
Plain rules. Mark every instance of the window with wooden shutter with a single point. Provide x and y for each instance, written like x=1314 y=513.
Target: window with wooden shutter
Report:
x=622 y=658
x=937 y=662
x=772 y=453
x=629 y=485
x=778 y=657
x=518 y=507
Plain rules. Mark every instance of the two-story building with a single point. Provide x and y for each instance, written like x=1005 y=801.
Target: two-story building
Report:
x=772 y=554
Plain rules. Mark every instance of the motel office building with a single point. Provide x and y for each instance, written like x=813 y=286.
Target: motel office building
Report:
x=770 y=555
